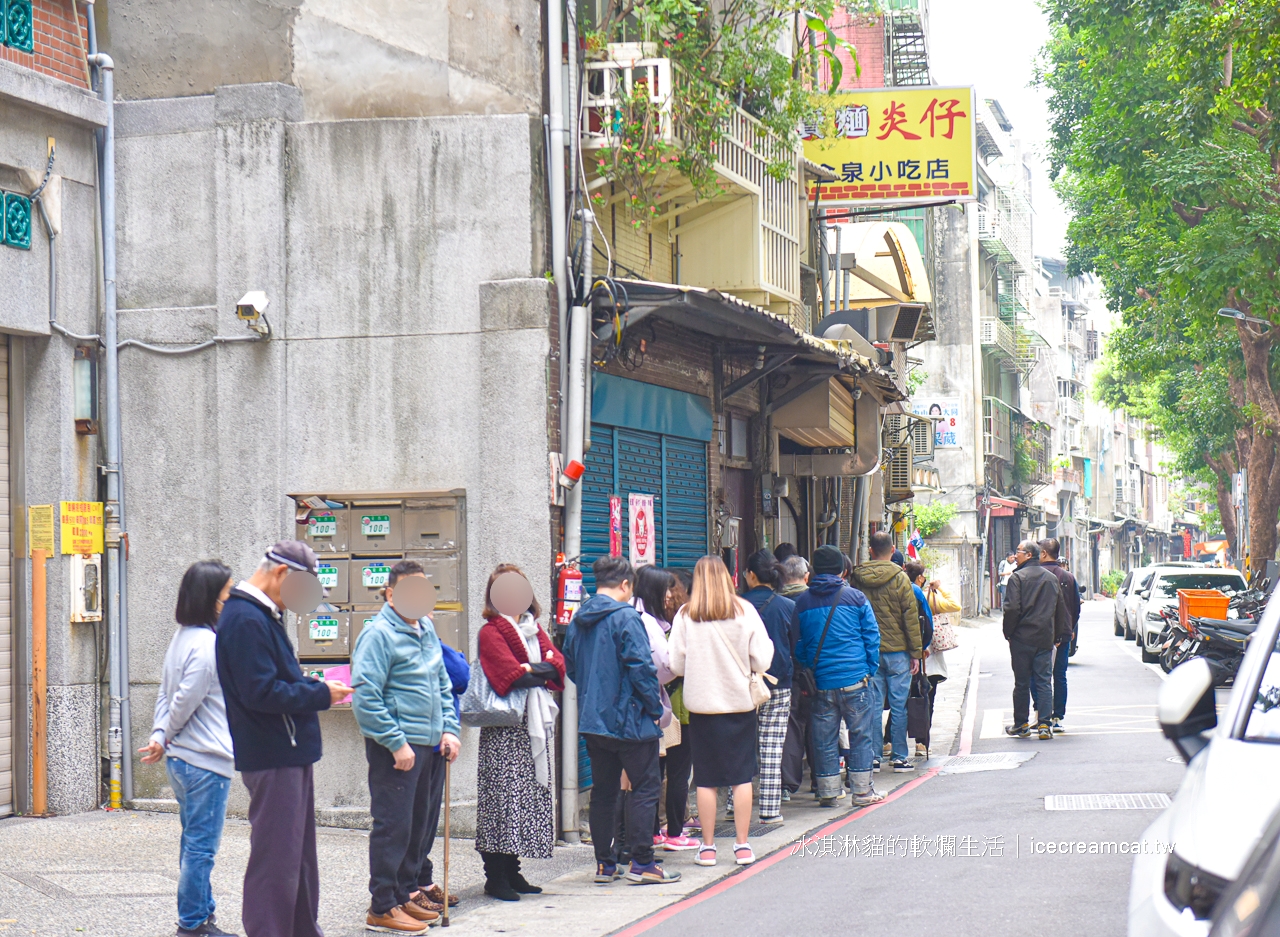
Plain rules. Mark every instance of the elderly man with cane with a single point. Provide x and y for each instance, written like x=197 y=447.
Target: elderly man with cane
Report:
x=403 y=705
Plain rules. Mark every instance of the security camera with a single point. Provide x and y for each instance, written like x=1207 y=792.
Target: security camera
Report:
x=252 y=305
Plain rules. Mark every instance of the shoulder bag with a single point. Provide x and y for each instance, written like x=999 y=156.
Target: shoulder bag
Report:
x=805 y=679
x=756 y=684
x=944 y=633
x=481 y=706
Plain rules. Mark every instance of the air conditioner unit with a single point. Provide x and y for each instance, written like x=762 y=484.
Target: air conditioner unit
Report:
x=906 y=429
x=898 y=474
x=907 y=323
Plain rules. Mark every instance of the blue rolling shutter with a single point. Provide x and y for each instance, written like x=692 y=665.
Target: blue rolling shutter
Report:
x=673 y=470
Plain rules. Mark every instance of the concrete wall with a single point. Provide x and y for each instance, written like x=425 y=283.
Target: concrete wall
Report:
x=409 y=353
x=352 y=58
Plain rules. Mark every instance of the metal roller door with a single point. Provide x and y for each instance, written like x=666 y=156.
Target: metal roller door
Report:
x=674 y=470
x=6 y=593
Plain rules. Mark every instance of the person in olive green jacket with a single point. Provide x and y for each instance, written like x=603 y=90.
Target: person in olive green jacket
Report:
x=892 y=599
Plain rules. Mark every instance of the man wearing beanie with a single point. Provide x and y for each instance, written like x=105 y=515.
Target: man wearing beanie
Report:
x=901 y=651
x=839 y=644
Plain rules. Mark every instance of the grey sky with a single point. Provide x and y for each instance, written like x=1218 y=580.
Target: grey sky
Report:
x=993 y=45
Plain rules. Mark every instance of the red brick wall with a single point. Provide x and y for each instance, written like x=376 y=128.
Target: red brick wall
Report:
x=866 y=34
x=57 y=49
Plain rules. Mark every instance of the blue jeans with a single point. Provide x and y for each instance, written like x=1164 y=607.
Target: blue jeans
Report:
x=892 y=680
x=1061 y=656
x=202 y=806
x=856 y=708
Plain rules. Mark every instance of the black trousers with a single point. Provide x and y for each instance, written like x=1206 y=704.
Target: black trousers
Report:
x=609 y=758
x=405 y=806
x=282 y=880
x=1032 y=674
x=799 y=743
x=679 y=771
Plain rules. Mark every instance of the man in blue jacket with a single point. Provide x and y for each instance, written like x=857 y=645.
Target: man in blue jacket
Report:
x=271 y=709
x=607 y=654
x=845 y=662
x=403 y=704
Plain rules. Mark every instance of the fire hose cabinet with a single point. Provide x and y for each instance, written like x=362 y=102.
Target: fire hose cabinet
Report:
x=368 y=579
x=325 y=530
x=333 y=575
x=324 y=635
x=377 y=528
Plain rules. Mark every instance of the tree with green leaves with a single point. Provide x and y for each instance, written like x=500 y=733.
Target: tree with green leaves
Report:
x=1166 y=146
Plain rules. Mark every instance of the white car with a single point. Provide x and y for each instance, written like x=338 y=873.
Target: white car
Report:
x=1198 y=846
x=1162 y=593
x=1127 y=588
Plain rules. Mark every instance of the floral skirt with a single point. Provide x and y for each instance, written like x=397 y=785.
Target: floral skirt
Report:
x=514 y=813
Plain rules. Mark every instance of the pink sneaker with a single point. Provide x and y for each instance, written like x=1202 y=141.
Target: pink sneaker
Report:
x=659 y=840
x=680 y=843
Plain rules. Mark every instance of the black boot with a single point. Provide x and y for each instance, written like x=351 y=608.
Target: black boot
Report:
x=519 y=883
x=496 y=882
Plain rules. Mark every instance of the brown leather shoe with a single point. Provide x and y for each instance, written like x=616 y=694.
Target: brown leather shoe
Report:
x=394 y=921
x=422 y=901
x=436 y=894
x=419 y=913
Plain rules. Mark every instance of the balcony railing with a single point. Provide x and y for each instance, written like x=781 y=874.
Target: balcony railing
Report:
x=1071 y=408
x=1070 y=479
x=743 y=156
x=997 y=334
x=997 y=429
x=1016 y=344
x=1038 y=443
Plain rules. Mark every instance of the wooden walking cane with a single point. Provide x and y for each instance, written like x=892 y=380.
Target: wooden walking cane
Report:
x=445 y=921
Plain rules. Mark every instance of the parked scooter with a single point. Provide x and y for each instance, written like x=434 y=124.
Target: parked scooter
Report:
x=1222 y=643
x=1176 y=642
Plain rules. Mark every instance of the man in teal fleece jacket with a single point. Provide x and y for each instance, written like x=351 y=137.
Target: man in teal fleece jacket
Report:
x=403 y=704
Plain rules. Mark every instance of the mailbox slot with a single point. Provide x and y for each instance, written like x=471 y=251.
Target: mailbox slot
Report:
x=430 y=527
x=333 y=575
x=325 y=530
x=443 y=571
x=377 y=528
x=368 y=577
x=324 y=635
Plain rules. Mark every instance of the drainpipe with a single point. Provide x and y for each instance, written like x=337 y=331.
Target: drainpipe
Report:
x=556 y=189
x=579 y=355
x=117 y=639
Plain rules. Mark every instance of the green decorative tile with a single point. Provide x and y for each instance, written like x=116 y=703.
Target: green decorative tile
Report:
x=17 y=219
x=19 y=27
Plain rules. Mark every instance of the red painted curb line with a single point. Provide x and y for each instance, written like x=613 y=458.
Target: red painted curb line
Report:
x=725 y=884
x=671 y=910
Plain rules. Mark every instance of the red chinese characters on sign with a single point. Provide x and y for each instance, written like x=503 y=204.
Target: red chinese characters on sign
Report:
x=947 y=113
x=895 y=115
x=615 y=525
x=641 y=529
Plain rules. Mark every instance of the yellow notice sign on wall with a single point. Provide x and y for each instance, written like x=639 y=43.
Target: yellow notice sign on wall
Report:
x=895 y=145
x=81 y=526
x=40 y=527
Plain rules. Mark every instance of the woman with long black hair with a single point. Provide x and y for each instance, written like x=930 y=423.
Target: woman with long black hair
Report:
x=190 y=727
x=764 y=577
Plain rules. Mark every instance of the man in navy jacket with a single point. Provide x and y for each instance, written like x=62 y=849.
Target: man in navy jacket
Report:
x=850 y=655
x=271 y=708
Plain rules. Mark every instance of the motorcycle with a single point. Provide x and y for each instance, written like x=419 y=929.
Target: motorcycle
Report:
x=1176 y=643
x=1222 y=643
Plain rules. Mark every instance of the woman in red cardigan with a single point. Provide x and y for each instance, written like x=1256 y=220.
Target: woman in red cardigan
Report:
x=515 y=813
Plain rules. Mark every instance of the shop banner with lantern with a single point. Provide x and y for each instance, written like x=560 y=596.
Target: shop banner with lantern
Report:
x=644 y=541
x=895 y=145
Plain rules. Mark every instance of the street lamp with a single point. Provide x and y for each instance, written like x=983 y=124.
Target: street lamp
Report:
x=1237 y=314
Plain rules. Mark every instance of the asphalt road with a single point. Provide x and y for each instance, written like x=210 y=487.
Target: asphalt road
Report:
x=967 y=853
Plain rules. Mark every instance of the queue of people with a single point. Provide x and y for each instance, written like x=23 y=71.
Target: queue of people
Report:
x=679 y=677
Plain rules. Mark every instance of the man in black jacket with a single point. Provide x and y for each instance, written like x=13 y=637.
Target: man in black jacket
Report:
x=1035 y=618
x=271 y=709
x=1049 y=550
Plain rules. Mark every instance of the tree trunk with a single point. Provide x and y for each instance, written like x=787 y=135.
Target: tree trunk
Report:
x=1222 y=472
x=1259 y=454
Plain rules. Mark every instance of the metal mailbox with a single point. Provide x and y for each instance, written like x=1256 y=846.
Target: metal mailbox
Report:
x=324 y=634
x=430 y=527
x=377 y=528
x=450 y=628
x=359 y=618
x=368 y=577
x=333 y=575
x=444 y=574
x=325 y=530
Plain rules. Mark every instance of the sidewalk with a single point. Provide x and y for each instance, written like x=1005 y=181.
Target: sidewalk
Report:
x=115 y=874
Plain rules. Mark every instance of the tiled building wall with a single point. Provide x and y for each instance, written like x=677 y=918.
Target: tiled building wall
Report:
x=60 y=42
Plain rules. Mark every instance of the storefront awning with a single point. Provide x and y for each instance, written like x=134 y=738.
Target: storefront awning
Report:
x=1000 y=507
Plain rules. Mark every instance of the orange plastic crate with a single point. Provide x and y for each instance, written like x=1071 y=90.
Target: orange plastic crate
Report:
x=1201 y=603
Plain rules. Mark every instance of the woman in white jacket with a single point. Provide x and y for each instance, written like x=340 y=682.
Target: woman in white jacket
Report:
x=717 y=642
x=191 y=728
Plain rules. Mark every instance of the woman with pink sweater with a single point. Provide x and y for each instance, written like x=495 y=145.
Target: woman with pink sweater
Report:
x=717 y=642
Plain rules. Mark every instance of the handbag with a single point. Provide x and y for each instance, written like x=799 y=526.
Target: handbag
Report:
x=919 y=712
x=481 y=707
x=944 y=636
x=805 y=679
x=756 y=684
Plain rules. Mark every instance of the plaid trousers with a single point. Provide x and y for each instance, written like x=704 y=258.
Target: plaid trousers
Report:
x=771 y=733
